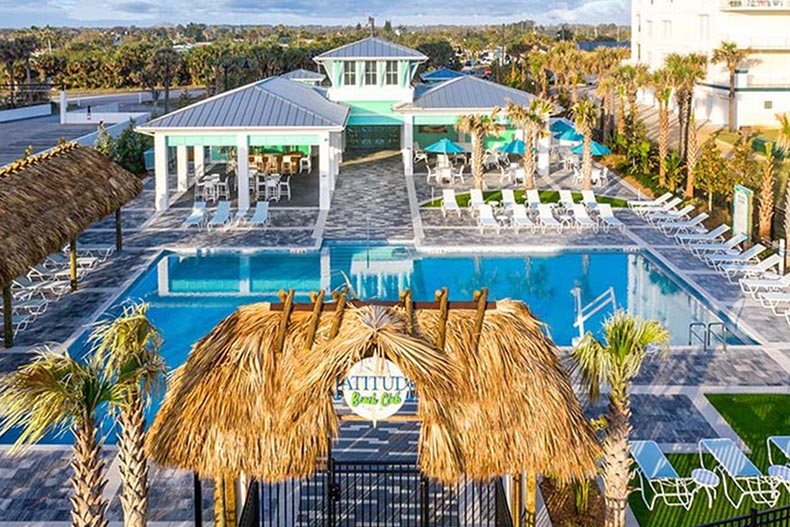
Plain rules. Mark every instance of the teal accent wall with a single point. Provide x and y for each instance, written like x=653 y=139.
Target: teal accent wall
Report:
x=373 y=113
x=435 y=119
x=201 y=140
x=283 y=140
x=425 y=139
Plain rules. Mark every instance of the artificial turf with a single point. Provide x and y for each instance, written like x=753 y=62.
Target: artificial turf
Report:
x=546 y=196
x=754 y=417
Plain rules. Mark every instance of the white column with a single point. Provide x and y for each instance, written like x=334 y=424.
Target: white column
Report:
x=324 y=180
x=163 y=277
x=326 y=270
x=200 y=161
x=64 y=107
x=161 y=201
x=544 y=148
x=242 y=171
x=407 y=146
x=182 y=168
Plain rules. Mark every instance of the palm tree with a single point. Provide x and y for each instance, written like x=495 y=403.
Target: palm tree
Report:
x=55 y=393
x=585 y=114
x=692 y=156
x=783 y=139
x=615 y=363
x=9 y=54
x=662 y=91
x=765 y=213
x=164 y=65
x=731 y=55
x=685 y=72
x=479 y=126
x=128 y=347
x=532 y=120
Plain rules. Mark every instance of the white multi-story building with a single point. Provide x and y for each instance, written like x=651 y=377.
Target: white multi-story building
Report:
x=661 y=27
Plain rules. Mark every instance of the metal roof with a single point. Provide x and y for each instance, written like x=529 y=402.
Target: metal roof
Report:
x=441 y=74
x=274 y=102
x=467 y=92
x=303 y=75
x=372 y=48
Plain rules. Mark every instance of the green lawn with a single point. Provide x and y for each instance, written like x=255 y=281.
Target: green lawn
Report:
x=753 y=417
x=546 y=196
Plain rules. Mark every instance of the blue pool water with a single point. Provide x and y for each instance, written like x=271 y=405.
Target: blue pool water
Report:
x=189 y=295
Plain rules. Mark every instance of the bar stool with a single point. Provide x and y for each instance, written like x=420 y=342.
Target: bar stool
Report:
x=306 y=164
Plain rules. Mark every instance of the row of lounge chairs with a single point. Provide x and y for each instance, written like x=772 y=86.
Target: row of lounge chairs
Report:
x=223 y=215
x=533 y=215
x=47 y=282
x=741 y=479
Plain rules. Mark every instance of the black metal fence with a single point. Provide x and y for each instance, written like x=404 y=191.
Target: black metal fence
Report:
x=371 y=493
x=779 y=517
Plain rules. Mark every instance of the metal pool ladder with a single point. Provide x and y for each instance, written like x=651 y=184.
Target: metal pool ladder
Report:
x=708 y=332
x=585 y=312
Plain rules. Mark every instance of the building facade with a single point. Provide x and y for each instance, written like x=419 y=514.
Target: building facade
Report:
x=661 y=27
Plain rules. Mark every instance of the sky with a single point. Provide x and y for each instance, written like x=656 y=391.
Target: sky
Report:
x=14 y=13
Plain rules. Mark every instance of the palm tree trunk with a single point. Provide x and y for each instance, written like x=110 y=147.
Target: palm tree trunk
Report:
x=604 y=131
x=531 y=500
x=620 y=115
x=133 y=463
x=529 y=159
x=692 y=154
x=681 y=126
x=663 y=142
x=477 y=160
x=616 y=464
x=587 y=160
x=731 y=120
x=87 y=502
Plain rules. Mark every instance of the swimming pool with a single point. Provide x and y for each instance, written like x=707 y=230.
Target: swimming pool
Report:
x=189 y=294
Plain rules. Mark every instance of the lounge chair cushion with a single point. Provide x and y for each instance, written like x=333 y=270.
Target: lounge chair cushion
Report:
x=651 y=460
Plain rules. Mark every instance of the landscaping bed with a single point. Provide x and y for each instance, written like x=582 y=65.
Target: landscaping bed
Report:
x=562 y=511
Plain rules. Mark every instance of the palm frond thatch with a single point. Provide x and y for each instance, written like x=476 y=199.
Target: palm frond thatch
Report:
x=47 y=200
x=238 y=405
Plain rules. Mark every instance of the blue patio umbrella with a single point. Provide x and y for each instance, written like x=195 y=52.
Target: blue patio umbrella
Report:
x=597 y=149
x=516 y=146
x=570 y=135
x=444 y=146
x=557 y=127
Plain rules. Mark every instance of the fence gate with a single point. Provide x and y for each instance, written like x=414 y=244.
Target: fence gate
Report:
x=375 y=494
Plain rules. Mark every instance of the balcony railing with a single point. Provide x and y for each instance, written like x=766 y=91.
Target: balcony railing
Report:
x=760 y=42
x=756 y=5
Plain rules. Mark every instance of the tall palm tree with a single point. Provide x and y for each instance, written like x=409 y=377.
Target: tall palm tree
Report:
x=164 y=64
x=685 y=72
x=479 y=126
x=615 y=362
x=662 y=91
x=532 y=120
x=783 y=139
x=585 y=114
x=128 y=346
x=765 y=212
x=55 y=393
x=9 y=54
x=692 y=156
x=731 y=56
x=537 y=63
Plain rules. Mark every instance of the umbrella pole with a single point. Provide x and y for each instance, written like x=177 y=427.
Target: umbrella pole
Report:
x=8 y=324
x=118 y=232
x=73 y=263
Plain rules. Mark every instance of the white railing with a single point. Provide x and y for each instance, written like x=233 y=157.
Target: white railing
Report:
x=761 y=81
x=760 y=42
x=755 y=5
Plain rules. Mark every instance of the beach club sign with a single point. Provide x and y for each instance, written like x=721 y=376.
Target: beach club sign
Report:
x=375 y=389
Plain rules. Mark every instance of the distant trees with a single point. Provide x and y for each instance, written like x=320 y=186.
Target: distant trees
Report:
x=164 y=65
x=440 y=53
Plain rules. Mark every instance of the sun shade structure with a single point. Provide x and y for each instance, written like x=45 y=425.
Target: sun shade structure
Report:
x=516 y=146
x=255 y=395
x=46 y=201
x=570 y=135
x=597 y=149
x=444 y=146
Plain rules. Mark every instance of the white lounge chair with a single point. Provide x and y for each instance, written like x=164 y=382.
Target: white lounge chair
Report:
x=667 y=227
x=261 y=214
x=221 y=215
x=533 y=199
x=581 y=219
x=739 y=473
x=449 y=203
x=566 y=199
x=508 y=198
x=748 y=256
x=750 y=270
x=755 y=286
x=40 y=288
x=716 y=235
x=700 y=249
x=658 y=479
x=672 y=215
x=589 y=200
x=546 y=218
x=639 y=204
x=776 y=301
x=197 y=216
x=777 y=470
x=608 y=219
x=521 y=220
x=486 y=218
x=475 y=199
x=19 y=323
x=664 y=207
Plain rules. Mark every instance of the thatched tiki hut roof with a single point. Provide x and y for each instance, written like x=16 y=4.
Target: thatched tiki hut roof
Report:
x=48 y=200
x=255 y=395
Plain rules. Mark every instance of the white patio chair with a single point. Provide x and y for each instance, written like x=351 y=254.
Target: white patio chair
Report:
x=197 y=216
x=566 y=199
x=272 y=187
x=521 y=220
x=667 y=227
x=519 y=176
x=755 y=286
x=603 y=177
x=221 y=191
x=748 y=256
x=505 y=176
x=739 y=473
x=475 y=199
x=449 y=202
x=221 y=215
x=446 y=175
x=486 y=218
x=546 y=218
x=589 y=200
x=658 y=479
x=459 y=174
x=306 y=164
x=700 y=249
x=285 y=187
x=636 y=204
x=508 y=198
x=716 y=235
x=433 y=174
x=608 y=219
x=750 y=270
x=533 y=199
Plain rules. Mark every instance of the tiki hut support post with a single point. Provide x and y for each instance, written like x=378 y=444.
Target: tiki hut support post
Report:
x=118 y=232
x=444 y=312
x=73 y=263
x=225 y=502
x=8 y=326
x=198 y=499
x=318 y=302
x=515 y=501
x=530 y=499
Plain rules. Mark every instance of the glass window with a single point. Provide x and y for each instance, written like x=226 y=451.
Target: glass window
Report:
x=391 y=74
x=349 y=73
x=371 y=79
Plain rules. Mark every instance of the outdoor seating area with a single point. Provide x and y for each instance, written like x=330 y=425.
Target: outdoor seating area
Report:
x=222 y=216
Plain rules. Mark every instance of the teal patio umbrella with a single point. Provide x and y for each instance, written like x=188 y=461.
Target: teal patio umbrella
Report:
x=557 y=127
x=570 y=135
x=444 y=146
x=516 y=146
x=597 y=149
